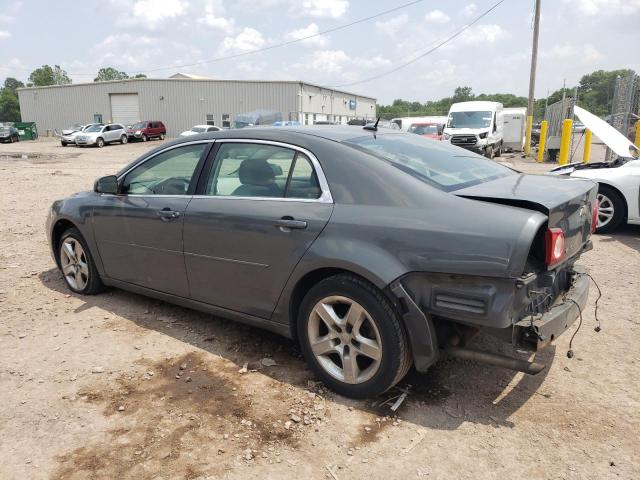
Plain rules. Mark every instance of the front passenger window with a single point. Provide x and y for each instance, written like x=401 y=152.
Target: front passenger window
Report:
x=168 y=173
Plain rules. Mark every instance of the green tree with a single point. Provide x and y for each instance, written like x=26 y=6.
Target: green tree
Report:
x=9 y=106
x=139 y=75
x=109 y=73
x=463 y=94
x=47 y=75
x=13 y=85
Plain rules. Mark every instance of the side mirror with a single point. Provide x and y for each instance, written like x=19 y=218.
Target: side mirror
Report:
x=108 y=184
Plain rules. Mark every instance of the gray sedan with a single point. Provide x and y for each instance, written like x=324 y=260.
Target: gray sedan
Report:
x=375 y=251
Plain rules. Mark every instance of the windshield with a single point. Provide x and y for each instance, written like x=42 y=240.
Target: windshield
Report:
x=469 y=119
x=441 y=166
x=198 y=129
x=139 y=126
x=94 y=128
x=424 y=129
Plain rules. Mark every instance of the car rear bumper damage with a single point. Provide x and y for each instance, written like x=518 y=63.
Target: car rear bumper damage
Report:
x=441 y=313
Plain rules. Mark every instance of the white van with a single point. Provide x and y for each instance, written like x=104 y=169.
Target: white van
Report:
x=476 y=126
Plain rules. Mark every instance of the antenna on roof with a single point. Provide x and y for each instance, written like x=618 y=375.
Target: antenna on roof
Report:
x=373 y=127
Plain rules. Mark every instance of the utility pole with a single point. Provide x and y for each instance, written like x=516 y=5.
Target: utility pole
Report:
x=532 y=78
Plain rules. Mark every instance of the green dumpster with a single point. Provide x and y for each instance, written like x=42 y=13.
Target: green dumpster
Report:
x=27 y=130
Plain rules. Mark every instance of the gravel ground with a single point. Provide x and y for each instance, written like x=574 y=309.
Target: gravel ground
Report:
x=122 y=386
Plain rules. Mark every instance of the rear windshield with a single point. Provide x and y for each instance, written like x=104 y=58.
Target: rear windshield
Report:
x=198 y=129
x=442 y=166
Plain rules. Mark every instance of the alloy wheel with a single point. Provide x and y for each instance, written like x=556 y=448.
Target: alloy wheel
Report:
x=73 y=261
x=606 y=210
x=344 y=339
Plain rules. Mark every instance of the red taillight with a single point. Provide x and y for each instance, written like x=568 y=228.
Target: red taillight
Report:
x=594 y=217
x=554 y=240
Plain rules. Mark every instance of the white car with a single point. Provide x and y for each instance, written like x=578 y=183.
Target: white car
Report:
x=618 y=180
x=200 y=129
x=68 y=136
x=100 y=135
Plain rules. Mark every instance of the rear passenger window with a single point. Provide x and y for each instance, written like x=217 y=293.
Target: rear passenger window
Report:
x=303 y=181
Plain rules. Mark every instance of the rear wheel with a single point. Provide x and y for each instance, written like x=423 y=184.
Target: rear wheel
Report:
x=78 y=269
x=352 y=337
x=611 y=209
x=100 y=142
x=498 y=152
x=162 y=136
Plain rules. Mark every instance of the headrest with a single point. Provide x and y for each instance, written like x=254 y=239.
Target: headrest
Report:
x=256 y=171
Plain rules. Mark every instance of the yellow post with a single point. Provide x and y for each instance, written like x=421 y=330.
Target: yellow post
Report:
x=543 y=140
x=637 y=142
x=586 y=155
x=527 y=138
x=565 y=141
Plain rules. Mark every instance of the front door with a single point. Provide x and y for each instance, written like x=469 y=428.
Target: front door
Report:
x=139 y=231
x=259 y=209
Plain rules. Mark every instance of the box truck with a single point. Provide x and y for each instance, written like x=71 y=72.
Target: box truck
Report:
x=476 y=126
x=515 y=120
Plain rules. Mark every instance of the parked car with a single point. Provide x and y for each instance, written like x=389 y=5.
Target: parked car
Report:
x=353 y=249
x=9 y=134
x=383 y=124
x=618 y=180
x=147 y=130
x=578 y=127
x=100 y=135
x=429 y=130
x=324 y=122
x=69 y=134
x=200 y=129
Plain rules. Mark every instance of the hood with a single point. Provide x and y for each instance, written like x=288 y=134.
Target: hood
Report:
x=609 y=135
x=69 y=131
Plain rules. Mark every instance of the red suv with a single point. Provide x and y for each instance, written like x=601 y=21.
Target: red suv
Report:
x=146 y=130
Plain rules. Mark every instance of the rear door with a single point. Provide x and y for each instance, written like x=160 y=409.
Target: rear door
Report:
x=260 y=205
x=139 y=231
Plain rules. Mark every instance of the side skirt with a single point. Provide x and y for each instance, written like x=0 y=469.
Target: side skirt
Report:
x=279 y=328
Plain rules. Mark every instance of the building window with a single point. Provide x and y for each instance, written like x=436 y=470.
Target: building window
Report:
x=226 y=120
x=210 y=119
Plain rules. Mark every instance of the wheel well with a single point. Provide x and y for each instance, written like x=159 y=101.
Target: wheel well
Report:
x=624 y=200
x=304 y=285
x=59 y=228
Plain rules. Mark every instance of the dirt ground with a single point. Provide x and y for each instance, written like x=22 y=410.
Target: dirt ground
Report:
x=122 y=386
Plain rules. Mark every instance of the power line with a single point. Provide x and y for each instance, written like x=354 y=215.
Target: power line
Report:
x=270 y=47
x=428 y=52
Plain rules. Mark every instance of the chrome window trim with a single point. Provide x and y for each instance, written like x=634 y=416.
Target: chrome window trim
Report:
x=325 y=196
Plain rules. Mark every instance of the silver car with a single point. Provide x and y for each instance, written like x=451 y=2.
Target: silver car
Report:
x=68 y=136
x=99 y=135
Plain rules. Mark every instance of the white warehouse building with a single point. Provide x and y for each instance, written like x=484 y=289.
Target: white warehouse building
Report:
x=181 y=103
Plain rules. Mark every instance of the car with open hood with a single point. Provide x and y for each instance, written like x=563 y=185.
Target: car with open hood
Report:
x=375 y=249
x=618 y=180
x=69 y=134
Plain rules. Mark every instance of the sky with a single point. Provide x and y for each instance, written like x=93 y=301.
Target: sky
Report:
x=159 y=37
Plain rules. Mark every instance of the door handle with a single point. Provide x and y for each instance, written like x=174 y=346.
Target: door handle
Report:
x=288 y=223
x=165 y=214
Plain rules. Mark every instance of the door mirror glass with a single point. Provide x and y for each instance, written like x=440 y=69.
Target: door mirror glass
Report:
x=108 y=184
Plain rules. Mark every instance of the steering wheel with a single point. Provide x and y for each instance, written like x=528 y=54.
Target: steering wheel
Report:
x=172 y=186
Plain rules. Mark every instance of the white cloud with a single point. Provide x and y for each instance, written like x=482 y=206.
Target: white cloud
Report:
x=326 y=61
x=4 y=34
x=322 y=8
x=437 y=16
x=393 y=25
x=304 y=32
x=214 y=17
x=152 y=13
x=470 y=9
x=248 y=39
x=602 y=7
x=484 y=34
x=372 y=62
x=585 y=54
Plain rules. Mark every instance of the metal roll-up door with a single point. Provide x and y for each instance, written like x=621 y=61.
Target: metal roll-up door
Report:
x=125 y=108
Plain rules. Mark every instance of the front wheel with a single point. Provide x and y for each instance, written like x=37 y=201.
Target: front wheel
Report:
x=78 y=269
x=352 y=337
x=100 y=143
x=488 y=152
x=123 y=139
x=498 y=152
x=64 y=144
x=611 y=209
x=144 y=138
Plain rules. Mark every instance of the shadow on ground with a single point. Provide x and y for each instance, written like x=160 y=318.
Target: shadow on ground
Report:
x=628 y=235
x=450 y=393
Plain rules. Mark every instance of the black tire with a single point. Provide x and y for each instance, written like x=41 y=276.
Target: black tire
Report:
x=100 y=142
x=94 y=283
x=396 y=357
x=123 y=139
x=145 y=138
x=498 y=152
x=162 y=136
x=64 y=144
x=488 y=152
x=619 y=208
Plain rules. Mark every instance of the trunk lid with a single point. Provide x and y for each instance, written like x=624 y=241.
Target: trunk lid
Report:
x=568 y=202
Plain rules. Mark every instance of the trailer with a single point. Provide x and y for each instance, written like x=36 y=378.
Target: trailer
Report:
x=515 y=120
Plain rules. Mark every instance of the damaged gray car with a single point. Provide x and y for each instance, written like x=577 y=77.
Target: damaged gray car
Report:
x=375 y=250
